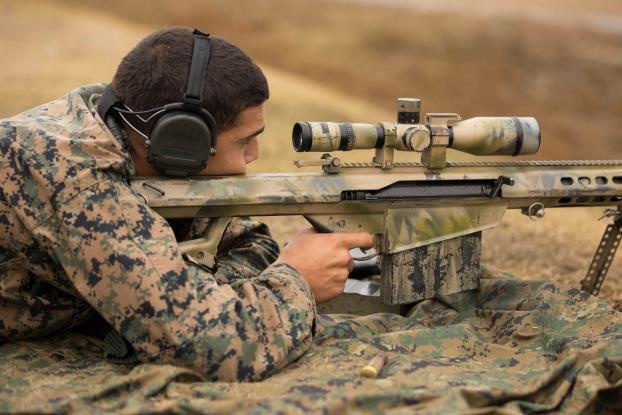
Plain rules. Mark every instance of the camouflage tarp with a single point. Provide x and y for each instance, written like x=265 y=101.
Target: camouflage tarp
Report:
x=511 y=347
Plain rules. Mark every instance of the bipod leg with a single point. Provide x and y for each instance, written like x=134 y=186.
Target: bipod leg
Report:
x=605 y=253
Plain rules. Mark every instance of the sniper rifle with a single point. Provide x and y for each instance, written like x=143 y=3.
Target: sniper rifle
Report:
x=426 y=216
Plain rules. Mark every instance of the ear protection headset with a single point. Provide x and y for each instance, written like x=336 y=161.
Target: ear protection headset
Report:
x=184 y=134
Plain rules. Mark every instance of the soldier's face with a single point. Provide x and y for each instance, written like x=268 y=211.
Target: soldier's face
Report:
x=238 y=146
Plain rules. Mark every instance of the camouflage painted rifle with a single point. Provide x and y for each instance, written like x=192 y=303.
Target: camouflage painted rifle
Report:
x=426 y=216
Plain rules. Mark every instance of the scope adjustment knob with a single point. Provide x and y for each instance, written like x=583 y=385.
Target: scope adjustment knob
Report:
x=417 y=138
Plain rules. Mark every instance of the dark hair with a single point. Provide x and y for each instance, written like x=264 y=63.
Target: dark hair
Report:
x=155 y=73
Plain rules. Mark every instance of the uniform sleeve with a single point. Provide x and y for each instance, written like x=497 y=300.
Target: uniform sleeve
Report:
x=124 y=260
x=245 y=247
x=245 y=250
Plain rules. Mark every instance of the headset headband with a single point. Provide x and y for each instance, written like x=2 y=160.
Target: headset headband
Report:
x=193 y=97
x=198 y=68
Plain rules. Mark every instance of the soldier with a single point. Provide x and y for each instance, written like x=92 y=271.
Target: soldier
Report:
x=76 y=243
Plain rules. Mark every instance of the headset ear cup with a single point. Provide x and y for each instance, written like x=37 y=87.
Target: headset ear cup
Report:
x=180 y=143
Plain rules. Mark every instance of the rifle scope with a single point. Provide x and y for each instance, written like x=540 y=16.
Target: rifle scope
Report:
x=479 y=136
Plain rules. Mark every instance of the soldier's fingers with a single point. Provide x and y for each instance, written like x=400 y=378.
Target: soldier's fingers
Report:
x=356 y=239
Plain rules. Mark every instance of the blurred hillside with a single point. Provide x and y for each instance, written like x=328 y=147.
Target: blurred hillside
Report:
x=350 y=60
x=560 y=61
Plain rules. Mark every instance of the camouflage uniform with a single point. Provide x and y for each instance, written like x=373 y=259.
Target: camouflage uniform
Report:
x=511 y=347
x=75 y=239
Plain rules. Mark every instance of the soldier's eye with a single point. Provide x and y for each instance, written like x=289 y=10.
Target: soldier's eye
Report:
x=247 y=140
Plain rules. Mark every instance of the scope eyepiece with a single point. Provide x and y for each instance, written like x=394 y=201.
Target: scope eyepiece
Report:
x=302 y=137
x=336 y=136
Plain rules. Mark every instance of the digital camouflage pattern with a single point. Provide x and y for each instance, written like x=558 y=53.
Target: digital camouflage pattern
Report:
x=75 y=240
x=511 y=347
x=450 y=266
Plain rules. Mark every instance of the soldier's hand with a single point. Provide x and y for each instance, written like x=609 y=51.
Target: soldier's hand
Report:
x=323 y=259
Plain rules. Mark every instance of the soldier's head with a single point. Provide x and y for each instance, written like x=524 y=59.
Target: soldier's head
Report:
x=155 y=73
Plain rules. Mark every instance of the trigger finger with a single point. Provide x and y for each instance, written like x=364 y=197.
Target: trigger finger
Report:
x=351 y=266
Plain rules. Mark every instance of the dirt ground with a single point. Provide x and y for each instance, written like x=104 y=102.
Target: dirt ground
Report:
x=50 y=47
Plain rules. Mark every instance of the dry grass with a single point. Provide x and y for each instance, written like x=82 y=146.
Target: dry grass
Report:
x=455 y=60
x=341 y=62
